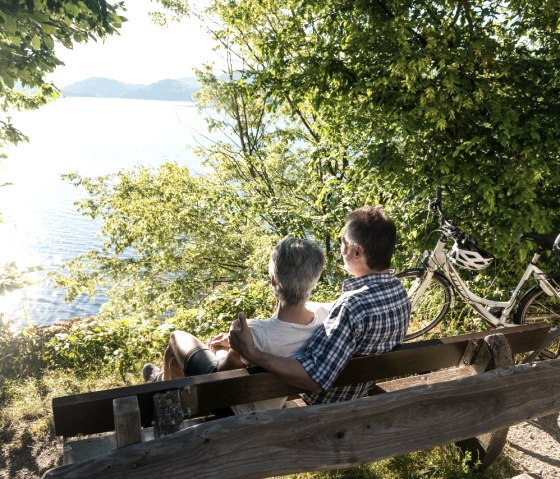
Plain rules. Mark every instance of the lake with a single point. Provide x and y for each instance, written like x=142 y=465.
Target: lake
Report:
x=90 y=136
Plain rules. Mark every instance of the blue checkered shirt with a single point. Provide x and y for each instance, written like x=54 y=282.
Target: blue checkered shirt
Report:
x=370 y=317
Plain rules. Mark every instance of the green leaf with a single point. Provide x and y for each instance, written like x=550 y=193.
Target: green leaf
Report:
x=36 y=42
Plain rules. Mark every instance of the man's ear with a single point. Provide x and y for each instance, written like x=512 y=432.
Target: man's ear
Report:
x=358 y=250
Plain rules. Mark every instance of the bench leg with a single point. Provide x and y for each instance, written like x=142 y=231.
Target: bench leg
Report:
x=485 y=449
x=128 y=429
x=168 y=413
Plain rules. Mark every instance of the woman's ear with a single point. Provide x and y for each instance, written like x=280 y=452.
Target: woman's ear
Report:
x=273 y=280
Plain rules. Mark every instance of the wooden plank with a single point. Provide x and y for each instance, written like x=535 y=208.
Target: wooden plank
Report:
x=423 y=379
x=329 y=436
x=406 y=360
x=127 y=421
x=91 y=413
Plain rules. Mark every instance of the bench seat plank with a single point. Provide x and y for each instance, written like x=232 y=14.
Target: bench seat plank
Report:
x=423 y=379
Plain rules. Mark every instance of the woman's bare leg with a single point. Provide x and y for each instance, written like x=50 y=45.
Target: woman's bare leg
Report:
x=180 y=345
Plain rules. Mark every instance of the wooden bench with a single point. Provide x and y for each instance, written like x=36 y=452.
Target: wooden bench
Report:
x=435 y=388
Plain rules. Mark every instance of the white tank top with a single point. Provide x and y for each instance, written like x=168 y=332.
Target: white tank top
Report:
x=281 y=339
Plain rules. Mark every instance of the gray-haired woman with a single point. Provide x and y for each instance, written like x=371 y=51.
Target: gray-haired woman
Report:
x=295 y=267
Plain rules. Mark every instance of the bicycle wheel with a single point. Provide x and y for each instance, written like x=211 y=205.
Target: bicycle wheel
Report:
x=434 y=303
x=549 y=350
x=538 y=307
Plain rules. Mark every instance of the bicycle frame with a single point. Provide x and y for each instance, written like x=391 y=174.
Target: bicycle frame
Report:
x=438 y=259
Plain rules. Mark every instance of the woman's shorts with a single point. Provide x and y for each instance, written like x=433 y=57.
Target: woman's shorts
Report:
x=203 y=361
x=200 y=361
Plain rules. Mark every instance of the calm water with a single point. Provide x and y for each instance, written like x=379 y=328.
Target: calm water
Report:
x=93 y=137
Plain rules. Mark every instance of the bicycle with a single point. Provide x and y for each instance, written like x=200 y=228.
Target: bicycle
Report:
x=550 y=349
x=432 y=286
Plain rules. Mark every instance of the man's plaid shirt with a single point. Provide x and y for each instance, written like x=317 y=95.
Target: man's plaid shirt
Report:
x=371 y=317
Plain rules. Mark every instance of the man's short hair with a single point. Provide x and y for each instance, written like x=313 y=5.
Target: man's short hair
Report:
x=296 y=264
x=374 y=230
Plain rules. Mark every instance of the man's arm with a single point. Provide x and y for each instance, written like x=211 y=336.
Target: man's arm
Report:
x=288 y=369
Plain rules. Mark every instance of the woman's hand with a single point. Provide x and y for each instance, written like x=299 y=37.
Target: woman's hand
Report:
x=219 y=342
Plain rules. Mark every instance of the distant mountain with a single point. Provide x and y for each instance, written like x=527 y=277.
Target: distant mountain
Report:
x=165 y=90
x=175 y=90
x=98 y=87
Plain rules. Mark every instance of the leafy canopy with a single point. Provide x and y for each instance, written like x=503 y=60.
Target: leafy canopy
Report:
x=333 y=104
x=405 y=96
x=29 y=31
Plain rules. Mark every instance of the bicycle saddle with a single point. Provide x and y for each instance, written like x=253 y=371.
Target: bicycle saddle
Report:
x=545 y=241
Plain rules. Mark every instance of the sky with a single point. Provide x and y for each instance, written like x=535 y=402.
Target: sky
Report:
x=143 y=52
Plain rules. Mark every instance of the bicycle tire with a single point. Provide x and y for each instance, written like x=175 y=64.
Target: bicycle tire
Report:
x=549 y=350
x=538 y=307
x=431 y=307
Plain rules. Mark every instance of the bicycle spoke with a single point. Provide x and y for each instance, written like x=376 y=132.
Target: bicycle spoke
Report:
x=550 y=349
x=429 y=303
x=544 y=309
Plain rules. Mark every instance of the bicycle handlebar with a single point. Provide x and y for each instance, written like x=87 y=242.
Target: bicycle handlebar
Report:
x=445 y=223
x=435 y=205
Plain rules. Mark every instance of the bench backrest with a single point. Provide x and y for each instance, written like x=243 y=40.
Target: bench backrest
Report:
x=92 y=412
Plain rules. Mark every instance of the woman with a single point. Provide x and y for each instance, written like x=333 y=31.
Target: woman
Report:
x=294 y=268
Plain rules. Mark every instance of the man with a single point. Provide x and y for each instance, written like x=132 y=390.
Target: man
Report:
x=370 y=317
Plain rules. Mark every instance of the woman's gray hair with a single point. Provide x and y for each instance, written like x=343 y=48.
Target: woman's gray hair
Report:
x=296 y=265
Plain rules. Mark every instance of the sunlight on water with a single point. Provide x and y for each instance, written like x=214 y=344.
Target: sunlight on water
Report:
x=92 y=136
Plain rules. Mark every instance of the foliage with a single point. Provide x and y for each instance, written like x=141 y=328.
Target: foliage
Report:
x=328 y=106
x=172 y=240
x=94 y=347
x=398 y=98
x=11 y=277
x=169 y=239
x=29 y=31
x=20 y=350
x=31 y=28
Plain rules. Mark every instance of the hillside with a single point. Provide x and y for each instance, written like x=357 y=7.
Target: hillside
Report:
x=173 y=90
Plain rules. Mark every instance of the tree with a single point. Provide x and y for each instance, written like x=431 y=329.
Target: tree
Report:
x=330 y=105
x=406 y=96
x=29 y=31
x=173 y=240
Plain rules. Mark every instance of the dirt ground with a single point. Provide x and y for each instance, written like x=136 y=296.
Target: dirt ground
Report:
x=26 y=458
x=535 y=445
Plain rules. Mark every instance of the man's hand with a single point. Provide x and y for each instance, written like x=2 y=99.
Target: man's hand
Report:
x=289 y=369
x=219 y=342
x=241 y=338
